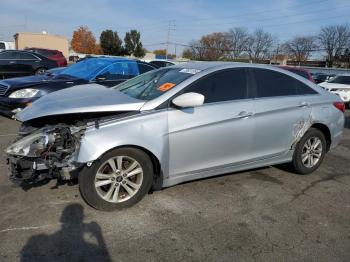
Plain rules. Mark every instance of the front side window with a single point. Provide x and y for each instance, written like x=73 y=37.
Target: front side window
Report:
x=222 y=86
x=2 y=46
x=154 y=83
x=270 y=83
x=345 y=80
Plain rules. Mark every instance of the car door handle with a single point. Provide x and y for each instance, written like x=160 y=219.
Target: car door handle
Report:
x=12 y=62
x=244 y=114
x=304 y=104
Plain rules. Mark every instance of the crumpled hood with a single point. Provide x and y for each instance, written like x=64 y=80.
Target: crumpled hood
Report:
x=328 y=85
x=25 y=81
x=88 y=98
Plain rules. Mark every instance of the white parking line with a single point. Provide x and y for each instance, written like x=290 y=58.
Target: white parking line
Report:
x=9 y=135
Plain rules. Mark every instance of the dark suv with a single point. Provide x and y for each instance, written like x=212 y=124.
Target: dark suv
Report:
x=51 y=54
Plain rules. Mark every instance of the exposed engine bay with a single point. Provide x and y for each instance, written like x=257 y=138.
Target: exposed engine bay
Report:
x=46 y=153
x=47 y=148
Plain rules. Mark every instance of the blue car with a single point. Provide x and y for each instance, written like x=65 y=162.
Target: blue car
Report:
x=17 y=93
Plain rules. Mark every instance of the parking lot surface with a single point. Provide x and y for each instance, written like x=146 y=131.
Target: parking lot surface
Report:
x=260 y=215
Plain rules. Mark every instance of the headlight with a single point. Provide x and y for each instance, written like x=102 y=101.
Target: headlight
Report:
x=32 y=145
x=25 y=93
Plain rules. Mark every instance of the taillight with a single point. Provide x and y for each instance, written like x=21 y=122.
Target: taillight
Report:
x=340 y=106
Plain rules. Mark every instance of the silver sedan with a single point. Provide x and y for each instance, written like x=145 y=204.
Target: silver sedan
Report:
x=176 y=124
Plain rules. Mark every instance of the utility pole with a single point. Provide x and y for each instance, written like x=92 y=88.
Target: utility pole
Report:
x=171 y=27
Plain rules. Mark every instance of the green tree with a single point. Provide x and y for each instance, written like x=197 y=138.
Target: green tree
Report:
x=110 y=43
x=133 y=45
x=159 y=52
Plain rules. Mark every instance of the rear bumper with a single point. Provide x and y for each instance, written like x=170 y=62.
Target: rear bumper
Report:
x=7 y=105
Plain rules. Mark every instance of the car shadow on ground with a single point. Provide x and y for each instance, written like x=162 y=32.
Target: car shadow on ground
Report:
x=74 y=241
x=347 y=122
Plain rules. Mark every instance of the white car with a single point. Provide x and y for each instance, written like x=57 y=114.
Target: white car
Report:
x=339 y=85
x=7 y=45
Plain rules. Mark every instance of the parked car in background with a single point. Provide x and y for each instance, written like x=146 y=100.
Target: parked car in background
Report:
x=21 y=63
x=161 y=62
x=17 y=93
x=321 y=77
x=7 y=45
x=172 y=125
x=51 y=54
x=339 y=85
x=299 y=71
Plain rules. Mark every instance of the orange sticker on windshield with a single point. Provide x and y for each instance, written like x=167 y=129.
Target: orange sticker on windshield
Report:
x=166 y=87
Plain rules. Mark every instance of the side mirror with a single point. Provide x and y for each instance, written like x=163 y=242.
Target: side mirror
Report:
x=189 y=100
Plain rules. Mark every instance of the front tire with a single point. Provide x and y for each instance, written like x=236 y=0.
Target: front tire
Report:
x=120 y=179
x=309 y=152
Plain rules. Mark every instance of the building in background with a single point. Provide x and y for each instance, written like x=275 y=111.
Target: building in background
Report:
x=41 y=40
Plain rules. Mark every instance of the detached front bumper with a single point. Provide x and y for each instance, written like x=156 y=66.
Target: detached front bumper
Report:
x=26 y=170
x=10 y=106
x=33 y=170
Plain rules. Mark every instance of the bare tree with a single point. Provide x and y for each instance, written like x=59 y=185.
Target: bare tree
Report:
x=210 y=47
x=334 y=39
x=259 y=45
x=300 y=48
x=238 y=38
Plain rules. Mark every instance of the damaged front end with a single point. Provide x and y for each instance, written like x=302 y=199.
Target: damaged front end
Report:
x=45 y=153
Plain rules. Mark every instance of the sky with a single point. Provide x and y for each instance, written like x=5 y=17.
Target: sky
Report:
x=188 y=19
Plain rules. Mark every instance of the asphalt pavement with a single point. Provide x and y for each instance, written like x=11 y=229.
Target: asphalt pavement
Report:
x=265 y=214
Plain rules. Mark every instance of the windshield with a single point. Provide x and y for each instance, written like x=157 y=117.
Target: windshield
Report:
x=86 y=69
x=154 y=83
x=341 y=80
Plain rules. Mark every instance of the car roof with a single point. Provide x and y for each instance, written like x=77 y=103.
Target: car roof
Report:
x=207 y=65
x=112 y=59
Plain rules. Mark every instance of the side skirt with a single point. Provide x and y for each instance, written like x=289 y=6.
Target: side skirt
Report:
x=173 y=180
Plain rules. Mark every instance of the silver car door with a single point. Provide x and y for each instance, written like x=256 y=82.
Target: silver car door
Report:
x=281 y=110
x=217 y=133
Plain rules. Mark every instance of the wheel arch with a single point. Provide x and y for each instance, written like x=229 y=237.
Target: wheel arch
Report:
x=326 y=132
x=158 y=174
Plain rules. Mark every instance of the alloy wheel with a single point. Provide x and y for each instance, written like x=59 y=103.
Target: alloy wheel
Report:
x=118 y=179
x=312 y=152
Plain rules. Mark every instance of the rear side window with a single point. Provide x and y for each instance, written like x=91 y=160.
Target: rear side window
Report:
x=2 y=46
x=222 y=86
x=271 y=83
x=27 y=56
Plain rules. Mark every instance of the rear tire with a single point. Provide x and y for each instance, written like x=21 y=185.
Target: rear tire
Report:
x=108 y=185
x=309 y=152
